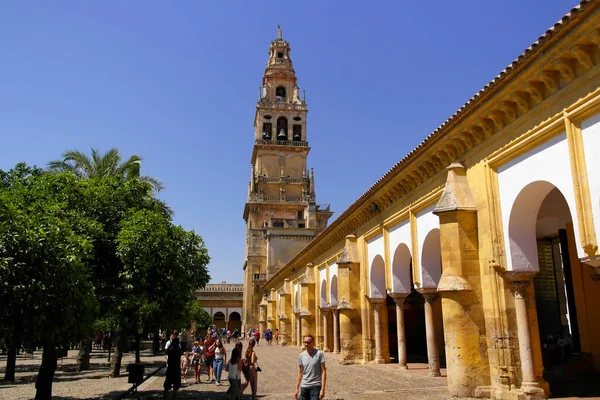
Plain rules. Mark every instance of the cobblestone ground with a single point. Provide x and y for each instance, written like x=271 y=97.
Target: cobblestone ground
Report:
x=278 y=378
x=68 y=384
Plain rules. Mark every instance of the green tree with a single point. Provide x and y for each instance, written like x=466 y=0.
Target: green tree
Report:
x=163 y=266
x=99 y=165
x=44 y=244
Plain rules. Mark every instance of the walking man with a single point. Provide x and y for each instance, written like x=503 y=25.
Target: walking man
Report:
x=312 y=372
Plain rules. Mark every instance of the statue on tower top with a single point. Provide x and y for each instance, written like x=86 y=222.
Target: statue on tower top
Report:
x=279 y=34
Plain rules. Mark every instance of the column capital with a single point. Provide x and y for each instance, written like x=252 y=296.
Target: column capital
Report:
x=376 y=301
x=519 y=282
x=428 y=294
x=325 y=310
x=399 y=299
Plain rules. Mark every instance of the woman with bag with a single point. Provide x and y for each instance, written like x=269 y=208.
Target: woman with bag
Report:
x=249 y=363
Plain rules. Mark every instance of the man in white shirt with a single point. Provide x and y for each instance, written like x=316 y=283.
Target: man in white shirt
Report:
x=312 y=373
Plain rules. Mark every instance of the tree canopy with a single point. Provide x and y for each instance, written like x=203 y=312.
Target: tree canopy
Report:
x=81 y=248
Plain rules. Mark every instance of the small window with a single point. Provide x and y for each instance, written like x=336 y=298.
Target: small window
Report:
x=278 y=224
x=279 y=54
x=301 y=226
x=267 y=117
x=280 y=92
x=297 y=119
x=300 y=214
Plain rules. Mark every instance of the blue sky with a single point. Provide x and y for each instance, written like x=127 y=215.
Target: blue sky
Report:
x=177 y=83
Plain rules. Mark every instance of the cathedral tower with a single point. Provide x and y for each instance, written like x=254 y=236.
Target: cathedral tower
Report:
x=281 y=213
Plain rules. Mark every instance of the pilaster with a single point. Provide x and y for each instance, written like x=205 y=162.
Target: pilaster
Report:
x=348 y=295
x=285 y=309
x=460 y=288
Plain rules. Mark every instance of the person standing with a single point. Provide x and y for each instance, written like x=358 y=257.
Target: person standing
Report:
x=312 y=372
x=257 y=336
x=249 y=364
x=233 y=369
x=276 y=335
x=197 y=361
x=209 y=352
x=173 y=376
x=220 y=360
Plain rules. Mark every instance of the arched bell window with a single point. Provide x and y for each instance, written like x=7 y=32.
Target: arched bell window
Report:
x=282 y=128
x=297 y=132
x=280 y=93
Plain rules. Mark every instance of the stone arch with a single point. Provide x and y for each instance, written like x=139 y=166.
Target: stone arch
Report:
x=333 y=297
x=324 y=293
x=235 y=321
x=219 y=319
x=431 y=260
x=401 y=269
x=378 y=278
x=524 y=224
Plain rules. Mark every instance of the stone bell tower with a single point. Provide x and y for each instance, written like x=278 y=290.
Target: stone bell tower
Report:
x=281 y=214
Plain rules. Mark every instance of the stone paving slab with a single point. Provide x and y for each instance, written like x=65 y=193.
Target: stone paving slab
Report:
x=68 y=384
x=278 y=379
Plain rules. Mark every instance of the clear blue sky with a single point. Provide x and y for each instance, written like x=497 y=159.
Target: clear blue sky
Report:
x=177 y=82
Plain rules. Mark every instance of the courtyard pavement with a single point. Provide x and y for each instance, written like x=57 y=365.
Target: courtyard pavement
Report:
x=278 y=379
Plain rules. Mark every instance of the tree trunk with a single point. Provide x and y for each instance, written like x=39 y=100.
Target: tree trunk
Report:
x=43 y=384
x=115 y=365
x=83 y=357
x=13 y=343
x=110 y=345
x=156 y=343
x=137 y=348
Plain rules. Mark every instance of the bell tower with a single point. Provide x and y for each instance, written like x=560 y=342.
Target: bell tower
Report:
x=281 y=213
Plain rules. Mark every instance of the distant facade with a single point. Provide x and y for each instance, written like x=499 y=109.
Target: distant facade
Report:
x=223 y=302
x=281 y=214
x=478 y=250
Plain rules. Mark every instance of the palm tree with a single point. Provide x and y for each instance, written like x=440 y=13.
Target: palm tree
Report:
x=103 y=165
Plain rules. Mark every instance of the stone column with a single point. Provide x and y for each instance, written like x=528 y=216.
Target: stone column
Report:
x=377 y=303
x=336 y=331
x=433 y=356
x=285 y=309
x=399 y=299
x=298 y=330
x=262 y=322
x=325 y=312
x=519 y=283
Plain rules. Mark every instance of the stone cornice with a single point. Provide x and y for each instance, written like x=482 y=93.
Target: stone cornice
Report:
x=558 y=57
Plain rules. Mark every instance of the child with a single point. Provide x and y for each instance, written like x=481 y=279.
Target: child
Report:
x=185 y=366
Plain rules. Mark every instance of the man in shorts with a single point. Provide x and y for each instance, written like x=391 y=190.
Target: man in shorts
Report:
x=312 y=373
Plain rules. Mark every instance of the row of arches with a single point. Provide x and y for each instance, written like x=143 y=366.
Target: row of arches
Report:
x=233 y=322
x=540 y=239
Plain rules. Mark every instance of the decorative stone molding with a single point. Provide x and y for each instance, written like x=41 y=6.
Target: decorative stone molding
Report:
x=344 y=304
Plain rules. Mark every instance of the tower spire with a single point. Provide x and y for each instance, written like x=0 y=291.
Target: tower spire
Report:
x=279 y=33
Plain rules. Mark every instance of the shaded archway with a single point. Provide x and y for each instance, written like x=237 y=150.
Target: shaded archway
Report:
x=377 y=290
x=401 y=270
x=401 y=278
x=431 y=260
x=323 y=293
x=219 y=319
x=333 y=296
x=542 y=241
x=235 y=321
x=431 y=272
